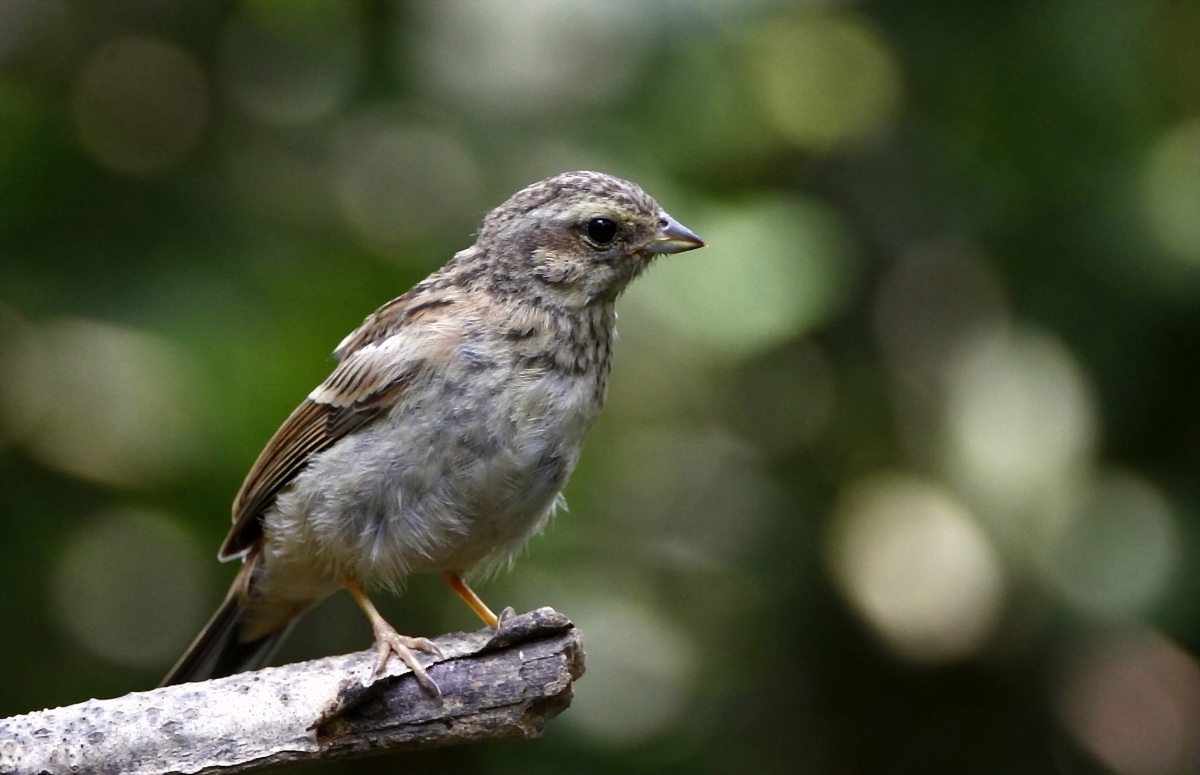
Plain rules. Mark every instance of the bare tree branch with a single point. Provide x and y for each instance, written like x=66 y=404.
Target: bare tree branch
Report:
x=495 y=685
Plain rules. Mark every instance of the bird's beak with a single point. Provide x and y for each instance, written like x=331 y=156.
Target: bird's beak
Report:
x=673 y=237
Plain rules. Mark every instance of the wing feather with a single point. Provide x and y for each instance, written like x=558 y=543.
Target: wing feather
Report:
x=389 y=353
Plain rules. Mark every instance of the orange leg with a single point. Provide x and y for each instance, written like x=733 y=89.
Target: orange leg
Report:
x=388 y=641
x=455 y=581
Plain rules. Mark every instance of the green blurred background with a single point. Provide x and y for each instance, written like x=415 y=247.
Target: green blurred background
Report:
x=899 y=475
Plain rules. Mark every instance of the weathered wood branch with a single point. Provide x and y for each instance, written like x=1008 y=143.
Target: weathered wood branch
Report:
x=495 y=685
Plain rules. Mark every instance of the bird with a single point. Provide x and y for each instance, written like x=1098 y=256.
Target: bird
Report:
x=442 y=439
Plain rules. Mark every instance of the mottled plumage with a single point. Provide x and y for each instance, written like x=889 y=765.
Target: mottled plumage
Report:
x=443 y=438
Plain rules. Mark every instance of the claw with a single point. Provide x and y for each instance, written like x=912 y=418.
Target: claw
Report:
x=504 y=616
x=388 y=642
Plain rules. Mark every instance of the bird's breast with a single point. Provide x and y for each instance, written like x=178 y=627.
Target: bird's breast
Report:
x=461 y=472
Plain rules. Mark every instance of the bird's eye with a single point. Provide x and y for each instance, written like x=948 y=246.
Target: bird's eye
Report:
x=600 y=231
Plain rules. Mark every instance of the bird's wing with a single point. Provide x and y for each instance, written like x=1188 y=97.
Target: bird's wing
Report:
x=380 y=324
x=391 y=349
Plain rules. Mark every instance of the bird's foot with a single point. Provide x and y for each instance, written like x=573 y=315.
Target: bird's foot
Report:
x=505 y=615
x=388 y=642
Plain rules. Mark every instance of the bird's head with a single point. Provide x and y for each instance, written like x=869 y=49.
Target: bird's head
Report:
x=579 y=237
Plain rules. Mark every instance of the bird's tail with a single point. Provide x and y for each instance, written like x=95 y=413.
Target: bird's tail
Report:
x=218 y=650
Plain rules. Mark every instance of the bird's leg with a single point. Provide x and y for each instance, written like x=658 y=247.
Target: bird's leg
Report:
x=388 y=641
x=454 y=580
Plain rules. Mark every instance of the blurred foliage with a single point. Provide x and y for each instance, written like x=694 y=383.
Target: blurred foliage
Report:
x=898 y=475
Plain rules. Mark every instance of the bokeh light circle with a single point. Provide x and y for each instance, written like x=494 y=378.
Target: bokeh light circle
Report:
x=140 y=104
x=822 y=77
x=129 y=585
